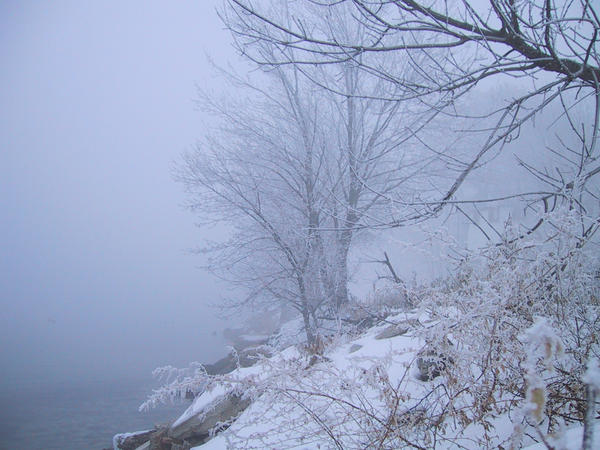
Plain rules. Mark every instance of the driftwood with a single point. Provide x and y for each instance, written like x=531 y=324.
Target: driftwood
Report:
x=214 y=417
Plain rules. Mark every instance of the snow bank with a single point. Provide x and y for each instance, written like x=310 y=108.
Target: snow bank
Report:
x=343 y=397
x=269 y=421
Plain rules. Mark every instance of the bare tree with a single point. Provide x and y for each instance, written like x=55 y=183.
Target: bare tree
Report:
x=374 y=159
x=370 y=139
x=307 y=167
x=261 y=174
x=286 y=170
x=453 y=48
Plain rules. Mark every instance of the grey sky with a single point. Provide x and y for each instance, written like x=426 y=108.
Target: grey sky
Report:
x=97 y=102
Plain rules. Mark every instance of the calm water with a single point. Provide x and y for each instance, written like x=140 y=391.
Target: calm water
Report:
x=81 y=417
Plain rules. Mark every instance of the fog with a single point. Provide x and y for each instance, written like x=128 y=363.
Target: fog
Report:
x=96 y=280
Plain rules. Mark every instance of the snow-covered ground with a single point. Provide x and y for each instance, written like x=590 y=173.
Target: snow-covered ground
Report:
x=341 y=399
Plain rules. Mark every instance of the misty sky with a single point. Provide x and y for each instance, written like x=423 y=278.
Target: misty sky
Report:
x=97 y=103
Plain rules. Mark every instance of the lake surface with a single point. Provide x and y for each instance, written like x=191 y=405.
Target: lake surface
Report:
x=79 y=417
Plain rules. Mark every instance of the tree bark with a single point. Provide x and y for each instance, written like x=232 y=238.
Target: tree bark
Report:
x=588 y=422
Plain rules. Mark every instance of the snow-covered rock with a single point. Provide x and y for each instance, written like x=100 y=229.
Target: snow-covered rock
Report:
x=131 y=441
x=218 y=413
x=393 y=331
x=237 y=358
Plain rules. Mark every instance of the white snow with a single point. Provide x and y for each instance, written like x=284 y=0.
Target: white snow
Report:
x=571 y=439
x=257 y=423
x=271 y=422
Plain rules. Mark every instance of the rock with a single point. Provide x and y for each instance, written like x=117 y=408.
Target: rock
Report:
x=184 y=446
x=316 y=359
x=132 y=441
x=222 y=366
x=398 y=329
x=249 y=356
x=162 y=441
x=246 y=357
x=223 y=409
x=432 y=364
x=364 y=323
x=155 y=439
x=355 y=348
x=393 y=331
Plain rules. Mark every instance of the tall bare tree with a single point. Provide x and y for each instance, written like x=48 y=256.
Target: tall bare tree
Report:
x=295 y=171
x=262 y=174
x=453 y=48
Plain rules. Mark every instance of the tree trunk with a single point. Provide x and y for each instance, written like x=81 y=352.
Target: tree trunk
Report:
x=310 y=336
x=588 y=422
x=341 y=291
x=341 y=282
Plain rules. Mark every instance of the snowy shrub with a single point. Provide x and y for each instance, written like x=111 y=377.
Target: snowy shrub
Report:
x=506 y=358
x=506 y=340
x=177 y=384
x=494 y=355
x=392 y=297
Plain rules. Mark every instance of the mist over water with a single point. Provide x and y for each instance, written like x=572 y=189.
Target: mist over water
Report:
x=64 y=416
x=97 y=285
